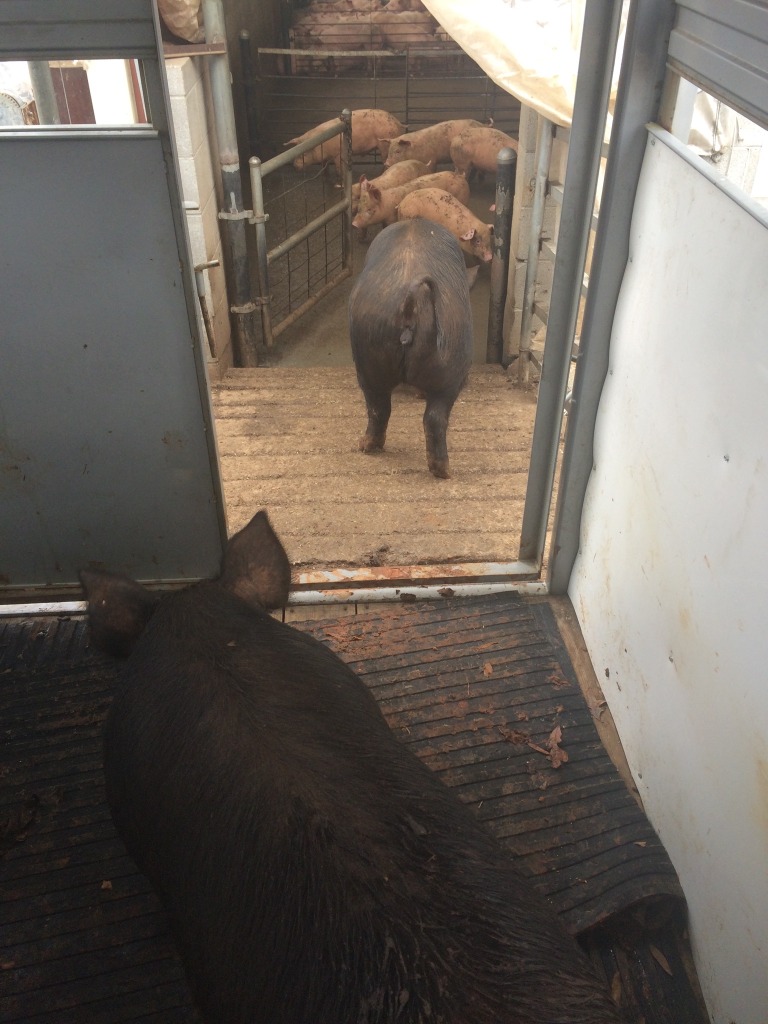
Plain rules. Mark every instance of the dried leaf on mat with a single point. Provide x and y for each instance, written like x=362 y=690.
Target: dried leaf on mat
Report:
x=661 y=960
x=553 y=750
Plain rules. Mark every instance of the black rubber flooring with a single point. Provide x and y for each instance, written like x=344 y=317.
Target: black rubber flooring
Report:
x=484 y=692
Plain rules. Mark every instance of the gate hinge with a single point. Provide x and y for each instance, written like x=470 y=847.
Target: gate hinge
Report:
x=247 y=307
x=237 y=215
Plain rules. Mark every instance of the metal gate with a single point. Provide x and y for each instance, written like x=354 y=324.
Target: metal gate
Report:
x=107 y=435
x=303 y=238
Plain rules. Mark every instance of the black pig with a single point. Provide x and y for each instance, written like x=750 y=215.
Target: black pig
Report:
x=410 y=322
x=313 y=869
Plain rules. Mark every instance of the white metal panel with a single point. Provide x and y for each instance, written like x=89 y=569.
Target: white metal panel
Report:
x=671 y=582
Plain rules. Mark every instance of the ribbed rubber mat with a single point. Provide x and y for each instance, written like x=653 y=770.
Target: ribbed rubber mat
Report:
x=477 y=688
x=470 y=684
x=83 y=938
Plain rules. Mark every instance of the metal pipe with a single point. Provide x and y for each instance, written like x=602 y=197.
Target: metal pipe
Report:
x=358 y=595
x=233 y=214
x=250 y=95
x=346 y=216
x=545 y=130
x=307 y=230
x=42 y=86
x=259 y=220
x=644 y=65
x=599 y=38
x=413 y=592
x=200 y=285
x=502 y=230
x=289 y=155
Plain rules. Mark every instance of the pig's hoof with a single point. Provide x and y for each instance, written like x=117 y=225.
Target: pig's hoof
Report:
x=370 y=444
x=440 y=469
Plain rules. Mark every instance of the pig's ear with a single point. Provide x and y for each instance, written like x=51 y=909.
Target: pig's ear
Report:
x=118 y=610
x=365 y=185
x=375 y=192
x=255 y=566
x=468 y=235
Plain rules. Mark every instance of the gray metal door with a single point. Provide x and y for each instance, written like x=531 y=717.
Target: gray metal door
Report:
x=107 y=451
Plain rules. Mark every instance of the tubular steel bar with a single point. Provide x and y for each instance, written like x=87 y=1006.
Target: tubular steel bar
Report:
x=229 y=164
x=640 y=86
x=289 y=155
x=308 y=229
x=346 y=215
x=403 y=593
x=505 y=194
x=599 y=39
x=42 y=89
x=544 y=134
x=259 y=220
x=251 y=93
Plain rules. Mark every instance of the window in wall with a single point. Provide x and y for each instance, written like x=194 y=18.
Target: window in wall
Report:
x=71 y=92
x=728 y=140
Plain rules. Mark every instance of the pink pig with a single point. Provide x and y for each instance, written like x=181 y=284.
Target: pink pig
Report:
x=427 y=144
x=379 y=205
x=403 y=28
x=370 y=130
x=392 y=176
x=435 y=204
x=477 y=148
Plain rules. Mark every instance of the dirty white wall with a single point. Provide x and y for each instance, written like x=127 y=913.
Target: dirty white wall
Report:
x=111 y=94
x=671 y=582
x=196 y=148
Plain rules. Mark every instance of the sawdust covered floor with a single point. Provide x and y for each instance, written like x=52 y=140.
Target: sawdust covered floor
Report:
x=288 y=441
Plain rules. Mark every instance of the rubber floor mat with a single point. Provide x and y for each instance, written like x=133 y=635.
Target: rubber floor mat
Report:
x=484 y=692
x=479 y=688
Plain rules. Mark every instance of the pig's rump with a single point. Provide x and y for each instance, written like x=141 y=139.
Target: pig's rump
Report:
x=408 y=310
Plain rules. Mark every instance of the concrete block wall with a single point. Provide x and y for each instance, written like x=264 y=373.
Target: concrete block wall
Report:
x=196 y=147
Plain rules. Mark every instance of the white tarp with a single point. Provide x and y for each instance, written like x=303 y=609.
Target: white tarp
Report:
x=529 y=48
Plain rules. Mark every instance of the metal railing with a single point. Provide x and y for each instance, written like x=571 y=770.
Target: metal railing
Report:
x=266 y=257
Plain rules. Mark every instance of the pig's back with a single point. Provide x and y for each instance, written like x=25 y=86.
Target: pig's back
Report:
x=411 y=248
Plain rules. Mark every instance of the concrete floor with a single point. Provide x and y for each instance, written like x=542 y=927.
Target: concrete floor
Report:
x=288 y=442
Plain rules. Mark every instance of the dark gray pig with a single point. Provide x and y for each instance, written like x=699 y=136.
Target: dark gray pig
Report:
x=313 y=869
x=410 y=322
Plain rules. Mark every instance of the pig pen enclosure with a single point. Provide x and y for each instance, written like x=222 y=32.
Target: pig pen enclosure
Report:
x=288 y=429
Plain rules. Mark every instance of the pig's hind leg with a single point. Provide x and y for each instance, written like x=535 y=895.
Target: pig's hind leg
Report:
x=435 y=428
x=379 y=406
